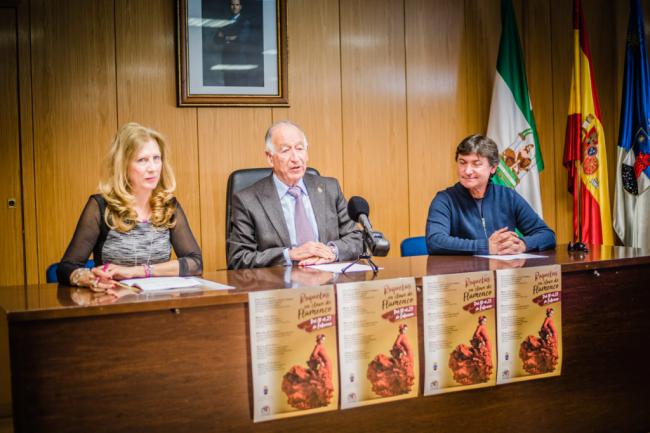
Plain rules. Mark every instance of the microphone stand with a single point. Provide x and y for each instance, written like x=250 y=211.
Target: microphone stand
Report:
x=373 y=241
x=364 y=256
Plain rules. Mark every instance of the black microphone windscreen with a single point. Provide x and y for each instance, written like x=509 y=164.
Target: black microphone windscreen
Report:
x=357 y=206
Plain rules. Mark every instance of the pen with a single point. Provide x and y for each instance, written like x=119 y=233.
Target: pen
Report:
x=104 y=269
x=126 y=286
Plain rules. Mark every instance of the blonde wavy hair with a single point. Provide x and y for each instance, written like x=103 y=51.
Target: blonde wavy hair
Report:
x=116 y=189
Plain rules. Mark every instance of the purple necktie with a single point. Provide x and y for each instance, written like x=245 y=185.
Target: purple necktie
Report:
x=304 y=232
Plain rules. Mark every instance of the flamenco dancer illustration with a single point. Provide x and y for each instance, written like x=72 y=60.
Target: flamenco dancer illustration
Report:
x=473 y=364
x=539 y=355
x=394 y=375
x=308 y=388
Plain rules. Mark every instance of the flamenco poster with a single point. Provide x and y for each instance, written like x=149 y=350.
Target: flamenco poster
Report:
x=293 y=352
x=378 y=340
x=459 y=332
x=529 y=323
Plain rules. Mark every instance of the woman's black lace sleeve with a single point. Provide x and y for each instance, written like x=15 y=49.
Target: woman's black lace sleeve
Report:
x=82 y=243
x=187 y=249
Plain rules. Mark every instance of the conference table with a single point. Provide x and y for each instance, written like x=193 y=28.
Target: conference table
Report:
x=180 y=361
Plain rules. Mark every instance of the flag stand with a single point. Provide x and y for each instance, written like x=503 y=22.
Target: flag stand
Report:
x=578 y=246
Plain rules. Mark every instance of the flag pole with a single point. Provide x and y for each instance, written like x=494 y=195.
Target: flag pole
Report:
x=578 y=246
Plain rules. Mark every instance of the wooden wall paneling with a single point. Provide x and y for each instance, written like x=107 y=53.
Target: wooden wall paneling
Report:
x=601 y=24
x=520 y=7
x=228 y=139
x=366 y=83
x=146 y=91
x=315 y=81
x=621 y=17
x=436 y=100
x=375 y=163
x=562 y=62
x=482 y=32
x=74 y=112
x=30 y=237
x=11 y=240
x=535 y=29
x=12 y=267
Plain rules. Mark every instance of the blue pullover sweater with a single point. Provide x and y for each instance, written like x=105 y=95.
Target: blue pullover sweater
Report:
x=456 y=225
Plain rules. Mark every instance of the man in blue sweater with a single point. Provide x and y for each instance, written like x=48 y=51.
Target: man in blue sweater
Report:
x=476 y=216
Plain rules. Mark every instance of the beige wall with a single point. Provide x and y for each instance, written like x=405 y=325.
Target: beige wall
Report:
x=385 y=89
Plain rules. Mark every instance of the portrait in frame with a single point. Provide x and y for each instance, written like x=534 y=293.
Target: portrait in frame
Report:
x=232 y=52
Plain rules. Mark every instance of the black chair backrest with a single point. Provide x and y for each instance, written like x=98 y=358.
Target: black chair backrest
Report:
x=240 y=179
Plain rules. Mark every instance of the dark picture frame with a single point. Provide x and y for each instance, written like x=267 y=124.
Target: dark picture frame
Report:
x=232 y=52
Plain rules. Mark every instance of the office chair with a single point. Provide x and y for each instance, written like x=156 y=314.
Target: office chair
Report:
x=50 y=273
x=240 y=179
x=415 y=246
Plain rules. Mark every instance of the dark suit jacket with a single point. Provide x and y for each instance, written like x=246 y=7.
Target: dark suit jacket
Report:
x=259 y=232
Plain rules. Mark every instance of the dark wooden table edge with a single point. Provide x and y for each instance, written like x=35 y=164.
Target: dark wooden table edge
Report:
x=136 y=307
x=242 y=297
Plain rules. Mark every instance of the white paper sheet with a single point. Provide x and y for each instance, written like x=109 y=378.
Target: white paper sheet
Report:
x=337 y=268
x=207 y=284
x=512 y=256
x=171 y=283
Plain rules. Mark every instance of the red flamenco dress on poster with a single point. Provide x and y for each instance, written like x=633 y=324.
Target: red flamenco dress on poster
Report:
x=472 y=364
x=309 y=388
x=394 y=375
x=539 y=355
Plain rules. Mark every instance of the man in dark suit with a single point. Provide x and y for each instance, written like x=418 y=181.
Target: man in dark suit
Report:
x=241 y=49
x=291 y=217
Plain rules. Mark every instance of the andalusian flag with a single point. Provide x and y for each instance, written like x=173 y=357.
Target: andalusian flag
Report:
x=584 y=146
x=512 y=124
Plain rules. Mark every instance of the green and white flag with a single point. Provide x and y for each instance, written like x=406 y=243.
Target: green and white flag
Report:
x=512 y=124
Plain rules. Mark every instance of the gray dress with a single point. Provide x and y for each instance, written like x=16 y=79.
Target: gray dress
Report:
x=143 y=244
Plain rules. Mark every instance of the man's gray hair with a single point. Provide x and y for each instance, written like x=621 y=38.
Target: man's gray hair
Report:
x=268 y=138
x=480 y=145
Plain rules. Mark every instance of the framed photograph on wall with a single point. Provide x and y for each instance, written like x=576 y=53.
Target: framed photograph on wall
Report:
x=232 y=52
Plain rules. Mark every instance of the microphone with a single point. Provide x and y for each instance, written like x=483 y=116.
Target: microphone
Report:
x=374 y=241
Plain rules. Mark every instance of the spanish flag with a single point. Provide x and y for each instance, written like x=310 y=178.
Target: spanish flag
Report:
x=584 y=146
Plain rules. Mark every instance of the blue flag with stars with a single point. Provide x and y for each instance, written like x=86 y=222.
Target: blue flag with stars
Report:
x=631 y=202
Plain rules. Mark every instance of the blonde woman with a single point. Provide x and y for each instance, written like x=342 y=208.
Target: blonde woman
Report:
x=132 y=225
